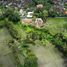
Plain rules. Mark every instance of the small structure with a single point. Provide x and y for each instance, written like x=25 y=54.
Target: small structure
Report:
x=39 y=6
x=39 y=22
x=30 y=15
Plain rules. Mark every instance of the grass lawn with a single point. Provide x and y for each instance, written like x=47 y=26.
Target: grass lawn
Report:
x=55 y=25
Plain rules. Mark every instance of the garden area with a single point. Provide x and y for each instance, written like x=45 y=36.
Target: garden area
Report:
x=33 y=38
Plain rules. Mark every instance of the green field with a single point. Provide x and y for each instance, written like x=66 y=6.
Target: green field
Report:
x=55 y=25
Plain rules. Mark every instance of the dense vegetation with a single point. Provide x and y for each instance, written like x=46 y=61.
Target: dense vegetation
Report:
x=49 y=7
x=24 y=35
x=29 y=58
x=41 y=34
x=10 y=14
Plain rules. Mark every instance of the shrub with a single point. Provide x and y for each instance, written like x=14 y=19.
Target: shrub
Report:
x=2 y=17
x=61 y=43
x=41 y=14
x=8 y=11
x=14 y=17
x=13 y=31
x=30 y=60
x=2 y=23
x=11 y=15
x=45 y=12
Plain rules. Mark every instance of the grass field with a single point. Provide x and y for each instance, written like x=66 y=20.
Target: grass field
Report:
x=55 y=25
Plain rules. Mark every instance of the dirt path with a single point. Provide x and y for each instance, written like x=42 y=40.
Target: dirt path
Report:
x=48 y=56
x=6 y=56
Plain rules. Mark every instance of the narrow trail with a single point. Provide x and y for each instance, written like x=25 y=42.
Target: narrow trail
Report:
x=48 y=56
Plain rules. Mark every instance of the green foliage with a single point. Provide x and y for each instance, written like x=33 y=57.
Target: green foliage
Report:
x=8 y=11
x=2 y=17
x=41 y=13
x=65 y=4
x=43 y=36
x=2 y=23
x=45 y=12
x=61 y=43
x=13 y=31
x=44 y=2
x=53 y=14
x=30 y=60
x=10 y=14
x=65 y=26
x=14 y=18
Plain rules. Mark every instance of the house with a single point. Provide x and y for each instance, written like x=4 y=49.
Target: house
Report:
x=30 y=14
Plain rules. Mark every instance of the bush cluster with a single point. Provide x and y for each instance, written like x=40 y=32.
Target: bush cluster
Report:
x=61 y=43
x=13 y=30
x=30 y=60
x=41 y=13
x=10 y=14
x=41 y=34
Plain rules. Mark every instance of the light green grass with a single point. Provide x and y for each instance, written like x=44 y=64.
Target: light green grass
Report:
x=55 y=25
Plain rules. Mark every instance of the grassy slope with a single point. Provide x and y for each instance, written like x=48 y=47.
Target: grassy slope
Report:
x=5 y=51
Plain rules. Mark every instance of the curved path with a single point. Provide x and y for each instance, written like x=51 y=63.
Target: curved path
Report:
x=48 y=56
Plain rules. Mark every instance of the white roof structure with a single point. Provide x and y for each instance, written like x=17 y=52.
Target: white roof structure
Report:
x=30 y=14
